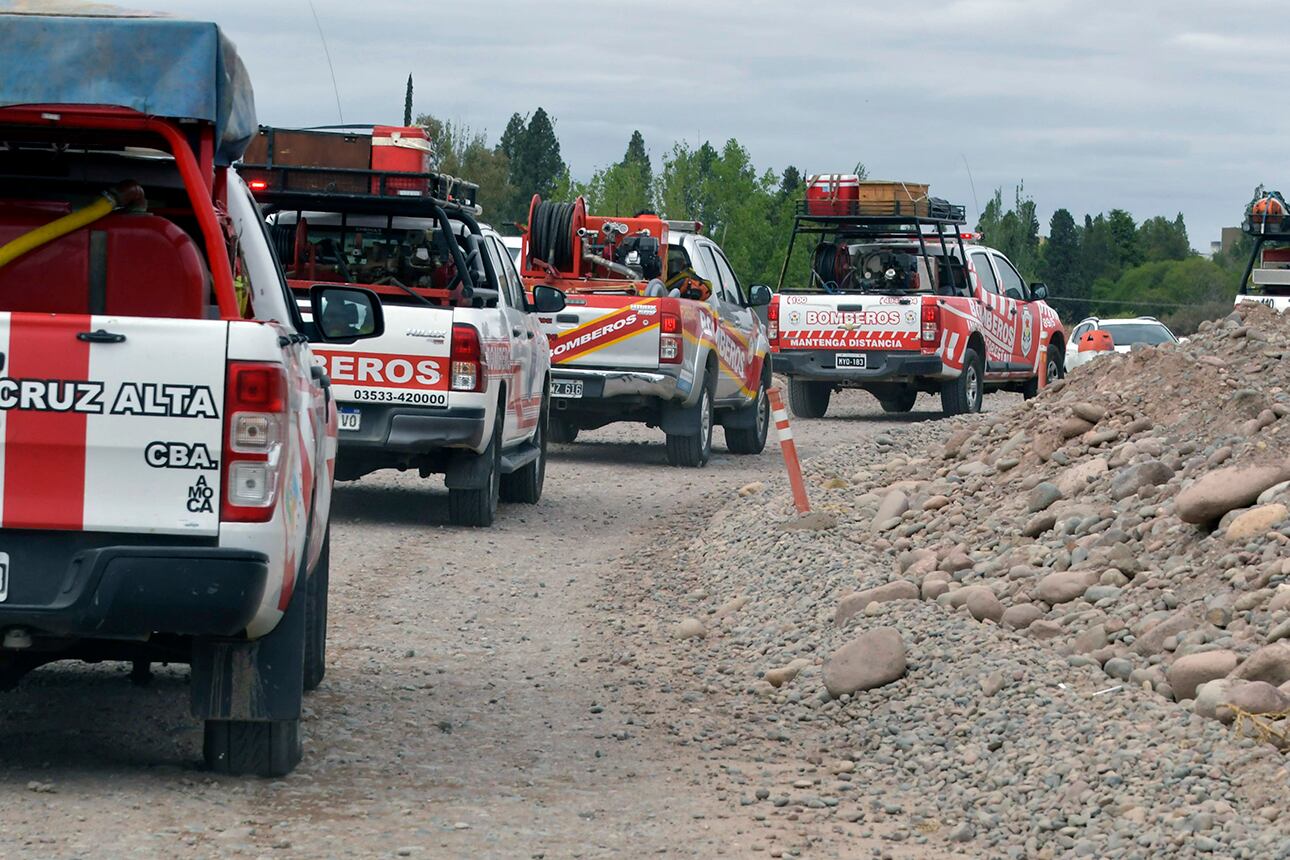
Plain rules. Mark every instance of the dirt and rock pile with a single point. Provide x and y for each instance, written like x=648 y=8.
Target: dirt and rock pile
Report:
x=1061 y=629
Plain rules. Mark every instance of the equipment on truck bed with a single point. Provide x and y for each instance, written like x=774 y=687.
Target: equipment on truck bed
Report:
x=879 y=244
x=394 y=230
x=1267 y=273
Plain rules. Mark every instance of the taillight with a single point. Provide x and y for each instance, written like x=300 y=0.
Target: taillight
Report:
x=931 y=324
x=467 y=367
x=255 y=423
x=772 y=321
x=670 y=338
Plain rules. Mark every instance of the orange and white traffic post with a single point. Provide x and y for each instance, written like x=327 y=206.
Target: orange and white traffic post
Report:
x=785 y=433
x=1043 y=364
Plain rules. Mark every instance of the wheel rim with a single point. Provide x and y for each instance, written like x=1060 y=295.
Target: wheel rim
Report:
x=1054 y=369
x=972 y=384
x=705 y=420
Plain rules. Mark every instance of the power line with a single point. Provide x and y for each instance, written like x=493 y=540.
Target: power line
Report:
x=335 y=89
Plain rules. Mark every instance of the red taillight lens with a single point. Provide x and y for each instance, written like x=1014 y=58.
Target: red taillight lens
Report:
x=257 y=185
x=467 y=367
x=255 y=424
x=931 y=319
x=772 y=320
x=670 y=340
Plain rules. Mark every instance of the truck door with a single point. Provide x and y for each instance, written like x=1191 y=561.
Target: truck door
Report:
x=736 y=336
x=998 y=316
x=520 y=329
x=1022 y=310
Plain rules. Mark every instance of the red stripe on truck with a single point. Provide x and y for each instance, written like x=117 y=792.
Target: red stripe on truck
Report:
x=44 y=469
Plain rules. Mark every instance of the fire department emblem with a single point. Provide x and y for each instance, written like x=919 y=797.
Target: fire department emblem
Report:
x=1027 y=331
x=794 y=317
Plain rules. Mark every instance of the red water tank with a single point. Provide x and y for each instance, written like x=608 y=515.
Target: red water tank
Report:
x=399 y=149
x=832 y=194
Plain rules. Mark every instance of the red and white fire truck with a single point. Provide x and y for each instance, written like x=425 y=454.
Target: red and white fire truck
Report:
x=1267 y=274
x=657 y=329
x=166 y=443
x=900 y=299
x=459 y=382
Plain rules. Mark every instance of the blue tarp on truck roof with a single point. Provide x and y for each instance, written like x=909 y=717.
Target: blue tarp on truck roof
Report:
x=159 y=66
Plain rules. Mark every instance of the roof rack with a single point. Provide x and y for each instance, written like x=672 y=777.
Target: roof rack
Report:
x=881 y=212
x=362 y=192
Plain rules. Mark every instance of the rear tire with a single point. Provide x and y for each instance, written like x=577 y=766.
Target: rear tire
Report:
x=476 y=507
x=903 y=402
x=693 y=450
x=752 y=440
x=562 y=430
x=963 y=394
x=525 y=485
x=809 y=399
x=239 y=747
x=1056 y=371
x=316 y=617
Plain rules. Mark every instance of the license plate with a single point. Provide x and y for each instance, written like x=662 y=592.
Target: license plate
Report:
x=566 y=388
x=855 y=360
x=4 y=576
x=350 y=418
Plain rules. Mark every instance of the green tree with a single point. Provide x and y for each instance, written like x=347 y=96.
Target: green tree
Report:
x=461 y=151
x=1099 y=259
x=1124 y=237
x=1059 y=267
x=1015 y=231
x=1159 y=288
x=1162 y=239
x=532 y=151
x=407 y=104
x=625 y=188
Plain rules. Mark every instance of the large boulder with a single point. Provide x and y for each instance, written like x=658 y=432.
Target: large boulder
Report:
x=1208 y=498
x=1021 y=616
x=1255 y=522
x=854 y=604
x=1128 y=481
x=892 y=505
x=981 y=602
x=1073 y=481
x=870 y=660
x=1152 y=640
x=1271 y=663
x=1063 y=586
x=1189 y=672
x=1252 y=697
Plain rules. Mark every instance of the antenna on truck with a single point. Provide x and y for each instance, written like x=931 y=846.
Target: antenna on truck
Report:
x=326 y=53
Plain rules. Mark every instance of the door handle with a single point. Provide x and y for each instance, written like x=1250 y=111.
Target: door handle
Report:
x=100 y=336
x=1012 y=312
x=515 y=332
x=530 y=335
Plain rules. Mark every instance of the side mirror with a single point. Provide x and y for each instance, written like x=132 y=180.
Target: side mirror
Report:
x=1039 y=292
x=345 y=314
x=759 y=295
x=547 y=300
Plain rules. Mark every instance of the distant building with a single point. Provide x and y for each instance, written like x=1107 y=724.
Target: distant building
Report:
x=1229 y=237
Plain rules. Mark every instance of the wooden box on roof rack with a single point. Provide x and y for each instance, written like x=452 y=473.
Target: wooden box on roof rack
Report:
x=912 y=196
x=280 y=147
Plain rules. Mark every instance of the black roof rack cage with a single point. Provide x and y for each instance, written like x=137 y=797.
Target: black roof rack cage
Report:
x=371 y=192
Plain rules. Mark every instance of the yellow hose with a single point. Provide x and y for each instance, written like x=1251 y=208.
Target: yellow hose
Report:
x=123 y=195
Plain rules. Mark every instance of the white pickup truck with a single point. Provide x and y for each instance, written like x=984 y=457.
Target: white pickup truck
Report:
x=459 y=383
x=166 y=442
x=657 y=329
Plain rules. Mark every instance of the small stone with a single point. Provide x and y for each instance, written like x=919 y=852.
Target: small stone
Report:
x=752 y=489
x=1039 y=524
x=982 y=603
x=1042 y=497
x=1021 y=616
x=690 y=628
x=1090 y=412
x=815 y=521
x=1074 y=426
x=1132 y=480
x=991 y=684
x=1152 y=640
x=964 y=832
x=853 y=604
x=781 y=676
x=1118 y=667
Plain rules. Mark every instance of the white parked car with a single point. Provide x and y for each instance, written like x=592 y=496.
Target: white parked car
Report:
x=1125 y=333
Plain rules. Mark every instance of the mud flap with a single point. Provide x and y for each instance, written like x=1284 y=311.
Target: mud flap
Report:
x=259 y=680
x=676 y=419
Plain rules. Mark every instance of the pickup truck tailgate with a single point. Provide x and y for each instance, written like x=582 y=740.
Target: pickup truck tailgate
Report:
x=841 y=322
x=408 y=364
x=605 y=331
x=111 y=424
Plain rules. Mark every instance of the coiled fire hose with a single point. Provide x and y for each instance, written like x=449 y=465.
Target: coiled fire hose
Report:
x=124 y=195
x=551 y=234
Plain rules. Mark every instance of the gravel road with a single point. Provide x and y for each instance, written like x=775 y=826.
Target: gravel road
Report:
x=481 y=700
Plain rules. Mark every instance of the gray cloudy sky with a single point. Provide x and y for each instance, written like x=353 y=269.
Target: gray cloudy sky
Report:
x=1154 y=107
